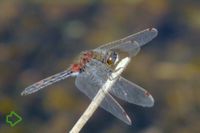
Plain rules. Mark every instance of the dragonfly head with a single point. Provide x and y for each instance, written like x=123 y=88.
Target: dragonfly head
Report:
x=112 y=58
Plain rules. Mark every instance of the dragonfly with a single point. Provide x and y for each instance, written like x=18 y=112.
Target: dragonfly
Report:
x=93 y=68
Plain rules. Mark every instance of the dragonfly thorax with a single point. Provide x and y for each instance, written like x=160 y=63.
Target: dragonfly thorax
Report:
x=109 y=58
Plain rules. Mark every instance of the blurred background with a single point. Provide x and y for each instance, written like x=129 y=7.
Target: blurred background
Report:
x=39 y=38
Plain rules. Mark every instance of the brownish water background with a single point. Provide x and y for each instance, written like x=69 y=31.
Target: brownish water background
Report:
x=40 y=38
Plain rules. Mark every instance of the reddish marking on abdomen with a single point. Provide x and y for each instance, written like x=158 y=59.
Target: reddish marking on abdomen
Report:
x=75 y=67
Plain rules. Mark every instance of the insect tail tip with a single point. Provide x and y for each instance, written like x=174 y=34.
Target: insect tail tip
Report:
x=23 y=93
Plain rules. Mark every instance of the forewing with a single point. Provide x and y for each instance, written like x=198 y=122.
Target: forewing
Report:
x=46 y=82
x=132 y=48
x=132 y=93
x=90 y=81
x=141 y=38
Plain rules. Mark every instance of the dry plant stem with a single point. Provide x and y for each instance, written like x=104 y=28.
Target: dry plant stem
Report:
x=100 y=95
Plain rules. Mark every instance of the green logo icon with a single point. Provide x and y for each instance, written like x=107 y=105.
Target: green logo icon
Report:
x=13 y=118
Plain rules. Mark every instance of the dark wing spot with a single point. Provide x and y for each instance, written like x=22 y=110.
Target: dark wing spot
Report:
x=147 y=94
x=150 y=29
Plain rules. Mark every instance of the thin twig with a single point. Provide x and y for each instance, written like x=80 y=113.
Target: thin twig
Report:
x=100 y=95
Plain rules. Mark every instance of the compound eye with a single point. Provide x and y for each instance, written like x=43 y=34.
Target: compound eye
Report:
x=110 y=61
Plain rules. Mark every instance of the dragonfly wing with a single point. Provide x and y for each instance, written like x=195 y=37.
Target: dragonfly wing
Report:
x=89 y=82
x=132 y=48
x=141 y=37
x=46 y=82
x=132 y=93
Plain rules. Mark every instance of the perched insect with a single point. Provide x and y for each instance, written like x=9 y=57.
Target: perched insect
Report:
x=94 y=66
